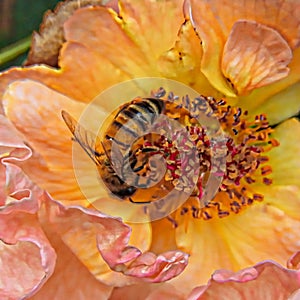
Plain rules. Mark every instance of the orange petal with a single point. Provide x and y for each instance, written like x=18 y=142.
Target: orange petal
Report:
x=213 y=21
x=90 y=61
x=212 y=39
x=152 y=25
x=255 y=101
x=254 y=55
x=100 y=30
x=163 y=236
x=263 y=281
x=46 y=133
x=294 y=261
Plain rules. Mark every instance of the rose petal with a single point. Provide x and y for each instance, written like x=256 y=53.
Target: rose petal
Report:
x=213 y=21
x=139 y=16
x=71 y=279
x=286 y=102
x=251 y=236
x=254 y=102
x=27 y=258
x=53 y=145
x=147 y=291
x=294 y=261
x=283 y=158
x=112 y=241
x=270 y=282
x=12 y=142
x=93 y=28
x=183 y=60
x=158 y=268
x=254 y=55
x=22 y=269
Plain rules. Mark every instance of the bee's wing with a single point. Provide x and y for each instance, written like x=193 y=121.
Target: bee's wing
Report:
x=89 y=142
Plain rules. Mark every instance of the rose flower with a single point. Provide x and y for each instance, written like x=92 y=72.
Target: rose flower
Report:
x=244 y=59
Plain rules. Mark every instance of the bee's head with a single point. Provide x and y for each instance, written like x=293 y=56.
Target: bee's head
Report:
x=124 y=191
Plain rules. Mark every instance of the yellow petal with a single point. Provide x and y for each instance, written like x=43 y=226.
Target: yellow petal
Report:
x=235 y=242
x=152 y=25
x=254 y=55
x=285 y=159
x=281 y=106
x=283 y=197
x=213 y=40
x=182 y=62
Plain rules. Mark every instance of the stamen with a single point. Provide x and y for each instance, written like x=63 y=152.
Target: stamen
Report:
x=245 y=151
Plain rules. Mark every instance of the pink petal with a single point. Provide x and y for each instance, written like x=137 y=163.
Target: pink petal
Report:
x=266 y=280
x=158 y=268
x=71 y=279
x=27 y=259
x=148 y=291
x=112 y=238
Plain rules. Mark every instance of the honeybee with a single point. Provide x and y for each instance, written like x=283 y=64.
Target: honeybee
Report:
x=140 y=114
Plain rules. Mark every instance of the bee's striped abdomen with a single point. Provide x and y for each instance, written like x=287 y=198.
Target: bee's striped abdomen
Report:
x=133 y=120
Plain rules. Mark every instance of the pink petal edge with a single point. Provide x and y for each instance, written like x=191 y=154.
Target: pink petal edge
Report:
x=266 y=279
x=112 y=238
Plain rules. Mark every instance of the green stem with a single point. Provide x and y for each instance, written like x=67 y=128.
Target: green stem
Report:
x=14 y=50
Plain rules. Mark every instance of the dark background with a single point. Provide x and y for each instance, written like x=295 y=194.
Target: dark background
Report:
x=18 y=19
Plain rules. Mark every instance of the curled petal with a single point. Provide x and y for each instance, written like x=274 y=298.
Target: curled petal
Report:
x=254 y=55
x=112 y=238
x=26 y=257
x=158 y=268
x=12 y=147
x=263 y=281
x=294 y=261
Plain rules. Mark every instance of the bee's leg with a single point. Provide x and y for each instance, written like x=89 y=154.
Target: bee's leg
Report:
x=139 y=202
x=173 y=221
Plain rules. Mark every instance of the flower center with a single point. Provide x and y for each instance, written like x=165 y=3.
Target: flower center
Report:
x=191 y=155
x=169 y=144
